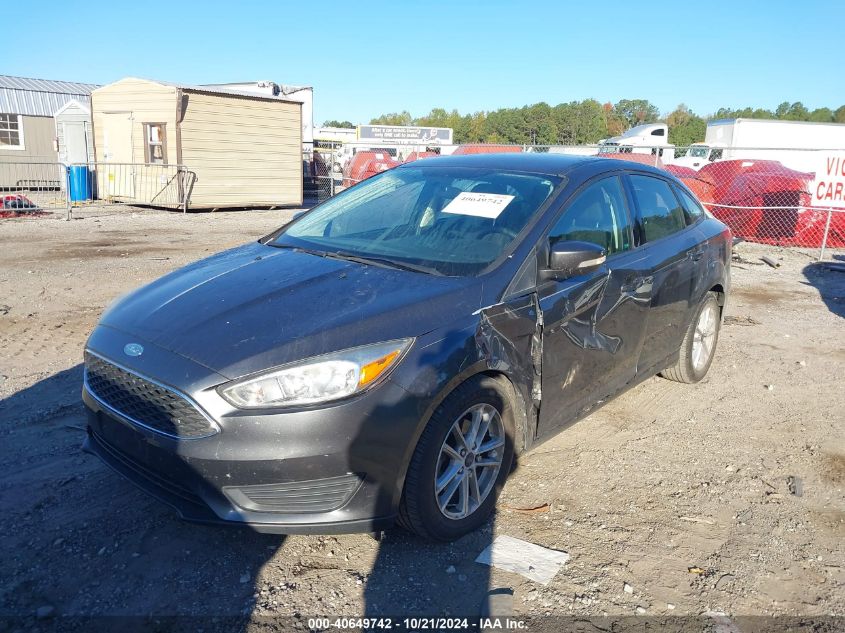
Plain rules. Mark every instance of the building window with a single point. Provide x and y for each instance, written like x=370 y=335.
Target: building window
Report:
x=155 y=146
x=11 y=132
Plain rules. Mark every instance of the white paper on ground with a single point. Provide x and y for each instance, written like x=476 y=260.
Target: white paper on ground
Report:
x=482 y=205
x=535 y=562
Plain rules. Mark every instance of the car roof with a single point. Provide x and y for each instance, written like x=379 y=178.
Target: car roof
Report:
x=540 y=163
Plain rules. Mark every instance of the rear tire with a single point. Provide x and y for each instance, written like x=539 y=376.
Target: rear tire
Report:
x=451 y=485
x=699 y=346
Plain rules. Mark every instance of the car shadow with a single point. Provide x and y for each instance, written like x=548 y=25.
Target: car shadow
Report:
x=830 y=284
x=84 y=546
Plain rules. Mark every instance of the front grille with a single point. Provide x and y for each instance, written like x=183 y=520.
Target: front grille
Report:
x=143 y=402
x=315 y=495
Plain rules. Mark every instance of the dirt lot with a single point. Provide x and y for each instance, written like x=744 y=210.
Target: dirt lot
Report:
x=670 y=500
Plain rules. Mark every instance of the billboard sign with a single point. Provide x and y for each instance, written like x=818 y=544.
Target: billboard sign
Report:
x=405 y=134
x=828 y=188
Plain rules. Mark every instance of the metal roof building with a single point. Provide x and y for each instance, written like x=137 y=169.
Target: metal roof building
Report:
x=40 y=97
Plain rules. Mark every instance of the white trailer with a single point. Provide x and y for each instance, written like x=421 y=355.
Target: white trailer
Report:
x=789 y=142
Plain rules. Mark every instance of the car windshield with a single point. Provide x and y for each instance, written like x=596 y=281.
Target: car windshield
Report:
x=447 y=221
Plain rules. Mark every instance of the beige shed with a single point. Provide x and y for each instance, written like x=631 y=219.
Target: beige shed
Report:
x=245 y=149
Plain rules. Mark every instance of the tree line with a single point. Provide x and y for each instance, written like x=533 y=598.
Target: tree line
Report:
x=588 y=121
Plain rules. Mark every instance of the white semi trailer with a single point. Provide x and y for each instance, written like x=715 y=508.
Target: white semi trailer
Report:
x=649 y=138
x=789 y=142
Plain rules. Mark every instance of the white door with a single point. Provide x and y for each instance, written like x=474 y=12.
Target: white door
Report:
x=76 y=142
x=117 y=177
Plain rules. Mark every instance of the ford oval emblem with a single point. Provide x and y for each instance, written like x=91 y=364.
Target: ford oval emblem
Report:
x=133 y=349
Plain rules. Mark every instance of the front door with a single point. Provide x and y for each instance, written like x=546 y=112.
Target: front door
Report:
x=593 y=324
x=117 y=178
x=76 y=142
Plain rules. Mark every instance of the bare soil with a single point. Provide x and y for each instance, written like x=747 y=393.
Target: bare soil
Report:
x=679 y=493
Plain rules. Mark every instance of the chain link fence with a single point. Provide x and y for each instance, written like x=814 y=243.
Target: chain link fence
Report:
x=763 y=195
x=33 y=187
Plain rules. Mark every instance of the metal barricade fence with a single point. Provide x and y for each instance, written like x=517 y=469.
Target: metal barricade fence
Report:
x=763 y=195
x=31 y=186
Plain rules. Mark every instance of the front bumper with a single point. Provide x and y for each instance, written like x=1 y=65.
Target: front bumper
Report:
x=336 y=469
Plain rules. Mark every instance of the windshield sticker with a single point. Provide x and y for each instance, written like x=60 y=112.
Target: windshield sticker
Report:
x=481 y=205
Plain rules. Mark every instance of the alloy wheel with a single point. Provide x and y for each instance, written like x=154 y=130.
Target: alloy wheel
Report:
x=469 y=461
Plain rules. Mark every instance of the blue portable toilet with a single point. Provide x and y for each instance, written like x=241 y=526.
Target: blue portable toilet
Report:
x=79 y=183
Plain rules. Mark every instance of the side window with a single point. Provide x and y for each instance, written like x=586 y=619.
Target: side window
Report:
x=660 y=212
x=659 y=132
x=716 y=154
x=597 y=215
x=155 y=146
x=692 y=208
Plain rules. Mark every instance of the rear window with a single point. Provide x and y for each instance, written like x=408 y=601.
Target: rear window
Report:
x=660 y=212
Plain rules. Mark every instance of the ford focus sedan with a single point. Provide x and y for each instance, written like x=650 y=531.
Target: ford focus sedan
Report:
x=385 y=356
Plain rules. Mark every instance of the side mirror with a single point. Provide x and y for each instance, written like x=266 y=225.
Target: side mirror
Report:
x=570 y=258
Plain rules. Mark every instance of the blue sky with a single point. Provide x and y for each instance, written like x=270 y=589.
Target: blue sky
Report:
x=368 y=58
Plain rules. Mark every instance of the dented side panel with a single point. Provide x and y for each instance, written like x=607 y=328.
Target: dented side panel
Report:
x=592 y=336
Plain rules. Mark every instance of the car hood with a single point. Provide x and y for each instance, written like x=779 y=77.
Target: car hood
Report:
x=257 y=306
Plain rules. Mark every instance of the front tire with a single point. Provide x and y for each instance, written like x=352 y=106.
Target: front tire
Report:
x=699 y=346
x=460 y=463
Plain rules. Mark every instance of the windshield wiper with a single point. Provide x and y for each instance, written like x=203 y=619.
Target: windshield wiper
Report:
x=383 y=262
x=367 y=260
x=299 y=249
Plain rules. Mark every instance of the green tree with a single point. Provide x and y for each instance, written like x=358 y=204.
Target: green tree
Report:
x=637 y=111
x=821 y=115
x=839 y=114
x=685 y=127
x=394 y=118
x=334 y=123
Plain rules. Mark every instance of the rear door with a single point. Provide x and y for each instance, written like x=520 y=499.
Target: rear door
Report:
x=672 y=251
x=593 y=324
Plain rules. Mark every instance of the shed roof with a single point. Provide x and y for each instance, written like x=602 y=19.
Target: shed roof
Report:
x=226 y=92
x=40 y=97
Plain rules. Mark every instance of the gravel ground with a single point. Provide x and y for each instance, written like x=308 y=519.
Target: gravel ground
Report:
x=671 y=500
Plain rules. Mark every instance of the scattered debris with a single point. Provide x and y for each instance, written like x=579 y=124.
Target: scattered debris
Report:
x=4 y=309
x=770 y=387
x=535 y=562
x=724 y=579
x=450 y=569
x=795 y=485
x=697 y=520
x=696 y=570
x=641 y=610
x=771 y=262
x=244 y=579
x=532 y=510
x=670 y=606
x=627 y=588
x=741 y=320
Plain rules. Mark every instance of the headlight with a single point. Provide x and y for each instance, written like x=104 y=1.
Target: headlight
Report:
x=318 y=379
